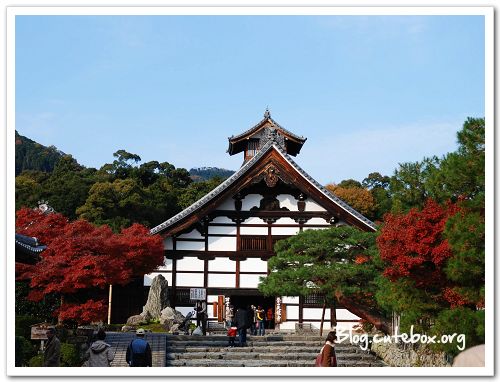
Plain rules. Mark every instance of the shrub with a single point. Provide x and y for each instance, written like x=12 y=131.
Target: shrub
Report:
x=23 y=325
x=70 y=356
x=24 y=351
x=36 y=361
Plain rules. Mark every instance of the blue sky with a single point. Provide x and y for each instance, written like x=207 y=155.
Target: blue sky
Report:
x=368 y=92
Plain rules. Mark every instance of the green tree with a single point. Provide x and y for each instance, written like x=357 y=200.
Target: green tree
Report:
x=341 y=263
x=378 y=185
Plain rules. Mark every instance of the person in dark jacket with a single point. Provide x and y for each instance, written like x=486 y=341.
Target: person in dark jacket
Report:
x=99 y=354
x=52 y=351
x=242 y=323
x=139 y=351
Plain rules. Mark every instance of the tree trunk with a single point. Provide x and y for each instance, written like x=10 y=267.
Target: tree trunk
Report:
x=381 y=323
x=322 y=318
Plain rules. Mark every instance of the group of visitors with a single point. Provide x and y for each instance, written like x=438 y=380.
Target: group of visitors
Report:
x=246 y=318
x=99 y=354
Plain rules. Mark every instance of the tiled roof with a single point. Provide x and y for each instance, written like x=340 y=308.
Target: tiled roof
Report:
x=267 y=117
x=228 y=182
x=29 y=243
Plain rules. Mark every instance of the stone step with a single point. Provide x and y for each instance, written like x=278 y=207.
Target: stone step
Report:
x=269 y=356
x=261 y=349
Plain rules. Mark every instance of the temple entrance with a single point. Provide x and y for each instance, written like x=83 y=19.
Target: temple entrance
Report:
x=267 y=303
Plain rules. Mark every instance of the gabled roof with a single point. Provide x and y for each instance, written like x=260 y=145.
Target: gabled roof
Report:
x=28 y=249
x=294 y=145
x=270 y=145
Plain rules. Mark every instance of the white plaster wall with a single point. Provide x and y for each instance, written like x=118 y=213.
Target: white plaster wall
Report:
x=284 y=230
x=251 y=200
x=190 y=279
x=222 y=219
x=306 y=228
x=221 y=280
x=288 y=201
x=190 y=245
x=315 y=313
x=222 y=230
x=253 y=265
x=168 y=243
x=222 y=243
x=190 y=264
x=194 y=234
x=254 y=220
x=222 y=264
x=249 y=281
x=148 y=279
x=253 y=230
x=290 y=300
x=227 y=205
x=313 y=206
x=285 y=221
x=292 y=312
x=344 y=314
x=318 y=221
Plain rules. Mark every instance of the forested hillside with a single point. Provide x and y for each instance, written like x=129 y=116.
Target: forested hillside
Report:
x=206 y=173
x=31 y=155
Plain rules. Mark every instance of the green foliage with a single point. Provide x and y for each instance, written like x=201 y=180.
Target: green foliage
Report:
x=70 y=356
x=27 y=310
x=460 y=320
x=36 y=361
x=34 y=156
x=207 y=173
x=336 y=261
x=196 y=191
x=23 y=325
x=24 y=351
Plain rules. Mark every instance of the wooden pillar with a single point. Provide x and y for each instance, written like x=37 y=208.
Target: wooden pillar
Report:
x=301 y=309
x=174 y=275
x=237 y=273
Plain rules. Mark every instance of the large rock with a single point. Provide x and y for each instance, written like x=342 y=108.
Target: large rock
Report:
x=136 y=320
x=170 y=317
x=157 y=298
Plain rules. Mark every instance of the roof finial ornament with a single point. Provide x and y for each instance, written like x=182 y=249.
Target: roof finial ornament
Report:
x=267 y=114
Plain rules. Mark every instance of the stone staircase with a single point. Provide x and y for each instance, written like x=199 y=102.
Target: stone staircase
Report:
x=266 y=351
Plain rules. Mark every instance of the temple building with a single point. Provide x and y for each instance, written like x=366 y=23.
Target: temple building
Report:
x=222 y=242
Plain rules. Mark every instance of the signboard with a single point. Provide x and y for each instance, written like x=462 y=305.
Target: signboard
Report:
x=278 y=315
x=198 y=294
x=38 y=331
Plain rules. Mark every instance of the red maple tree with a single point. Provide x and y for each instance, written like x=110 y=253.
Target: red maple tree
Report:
x=81 y=260
x=413 y=245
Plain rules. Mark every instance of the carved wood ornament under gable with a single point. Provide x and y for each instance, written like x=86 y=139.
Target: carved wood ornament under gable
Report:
x=271 y=175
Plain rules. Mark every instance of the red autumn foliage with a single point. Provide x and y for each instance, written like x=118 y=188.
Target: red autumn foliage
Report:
x=413 y=244
x=454 y=298
x=82 y=257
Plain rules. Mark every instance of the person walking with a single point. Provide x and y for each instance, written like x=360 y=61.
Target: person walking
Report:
x=259 y=313
x=201 y=316
x=231 y=334
x=52 y=351
x=99 y=354
x=242 y=322
x=252 y=317
x=269 y=318
x=139 y=351
x=229 y=316
x=327 y=357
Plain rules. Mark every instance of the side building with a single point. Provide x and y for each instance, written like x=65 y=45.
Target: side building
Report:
x=223 y=241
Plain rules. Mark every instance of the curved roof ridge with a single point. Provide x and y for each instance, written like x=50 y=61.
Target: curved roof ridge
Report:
x=267 y=118
x=216 y=191
x=326 y=192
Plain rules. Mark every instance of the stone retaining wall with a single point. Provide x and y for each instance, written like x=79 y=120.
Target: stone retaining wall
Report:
x=409 y=355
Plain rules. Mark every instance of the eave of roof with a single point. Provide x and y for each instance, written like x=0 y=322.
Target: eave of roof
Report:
x=246 y=167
